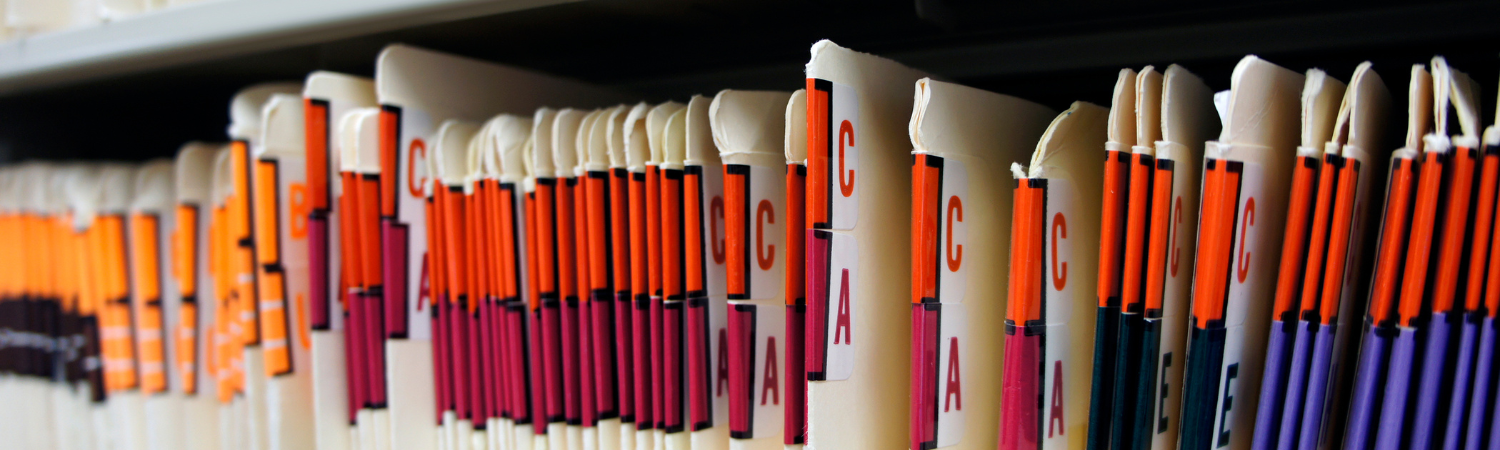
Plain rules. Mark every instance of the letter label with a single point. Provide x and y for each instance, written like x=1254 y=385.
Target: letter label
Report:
x=765 y=255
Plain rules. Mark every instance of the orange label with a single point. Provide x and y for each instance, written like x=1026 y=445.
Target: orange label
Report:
x=146 y=267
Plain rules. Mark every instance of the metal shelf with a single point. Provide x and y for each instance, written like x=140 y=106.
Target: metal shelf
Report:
x=216 y=29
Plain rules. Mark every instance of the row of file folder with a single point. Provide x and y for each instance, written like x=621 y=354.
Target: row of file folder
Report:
x=460 y=255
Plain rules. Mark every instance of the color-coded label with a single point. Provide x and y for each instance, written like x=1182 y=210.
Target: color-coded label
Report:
x=832 y=155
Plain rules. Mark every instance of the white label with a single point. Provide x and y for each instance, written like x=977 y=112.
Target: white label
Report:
x=953 y=355
x=768 y=391
x=294 y=205
x=412 y=186
x=767 y=216
x=843 y=301
x=953 y=233
x=715 y=268
x=1059 y=277
x=843 y=160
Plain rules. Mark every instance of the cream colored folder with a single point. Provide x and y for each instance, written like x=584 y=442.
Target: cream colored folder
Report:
x=229 y=324
x=705 y=333
x=1186 y=121
x=452 y=171
x=125 y=403
x=358 y=196
x=151 y=222
x=280 y=233
x=194 y=324
x=1357 y=137
x=1305 y=239
x=794 y=378
x=1245 y=186
x=655 y=122
x=246 y=114
x=962 y=139
x=417 y=90
x=563 y=157
x=857 y=188
x=602 y=194
x=504 y=140
x=1054 y=233
x=328 y=97
x=749 y=130
x=625 y=133
x=670 y=150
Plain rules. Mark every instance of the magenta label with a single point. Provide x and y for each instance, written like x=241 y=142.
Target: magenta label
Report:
x=537 y=384
x=795 y=410
x=393 y=261
x=644 y=365
x=700 y=371
x=354 y=354
x=571 y=362
x=552 y=355
x=606 y=380
x=319 y=314
x=588 y=409
x=673 y=382
x=924 y=368
x=741 y=371
x=818 y=244
x=442 y=375
x=625 y=356
x=374 y=347
x=1020 y=418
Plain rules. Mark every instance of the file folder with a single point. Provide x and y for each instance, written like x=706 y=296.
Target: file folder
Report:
x=629 y=360
x=1331 y=295
x=794 y=418
x=418 y=90
x=512 y=137
x=1382 y=323
x=360 y=232
x=193 y=331
x=1054 y=227
x=1438 y=376
x=1243 y=207
x=328 y=96
x=1187 y=120
x=857 y=238
x=119 y=314
x=649 y=319
x=960 y=136
x=748 y=129
x=150 y=222
x=1114 y=216
x=706 y=331
x=1303 y=249
x=1482 y=299
x=670 y=150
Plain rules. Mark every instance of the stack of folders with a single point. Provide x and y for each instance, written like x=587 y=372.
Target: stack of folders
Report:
x=458 y=255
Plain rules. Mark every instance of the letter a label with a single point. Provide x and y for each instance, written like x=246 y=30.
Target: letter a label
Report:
x=769 y=392
x=843 y=301
x=953 y=360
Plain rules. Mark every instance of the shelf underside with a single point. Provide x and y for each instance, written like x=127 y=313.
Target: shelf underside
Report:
x=1051 y=52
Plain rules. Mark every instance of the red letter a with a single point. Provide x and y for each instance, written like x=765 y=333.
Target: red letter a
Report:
x=1055 y=417
x=770 y=383
x=841 y=326
x=954 y=389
